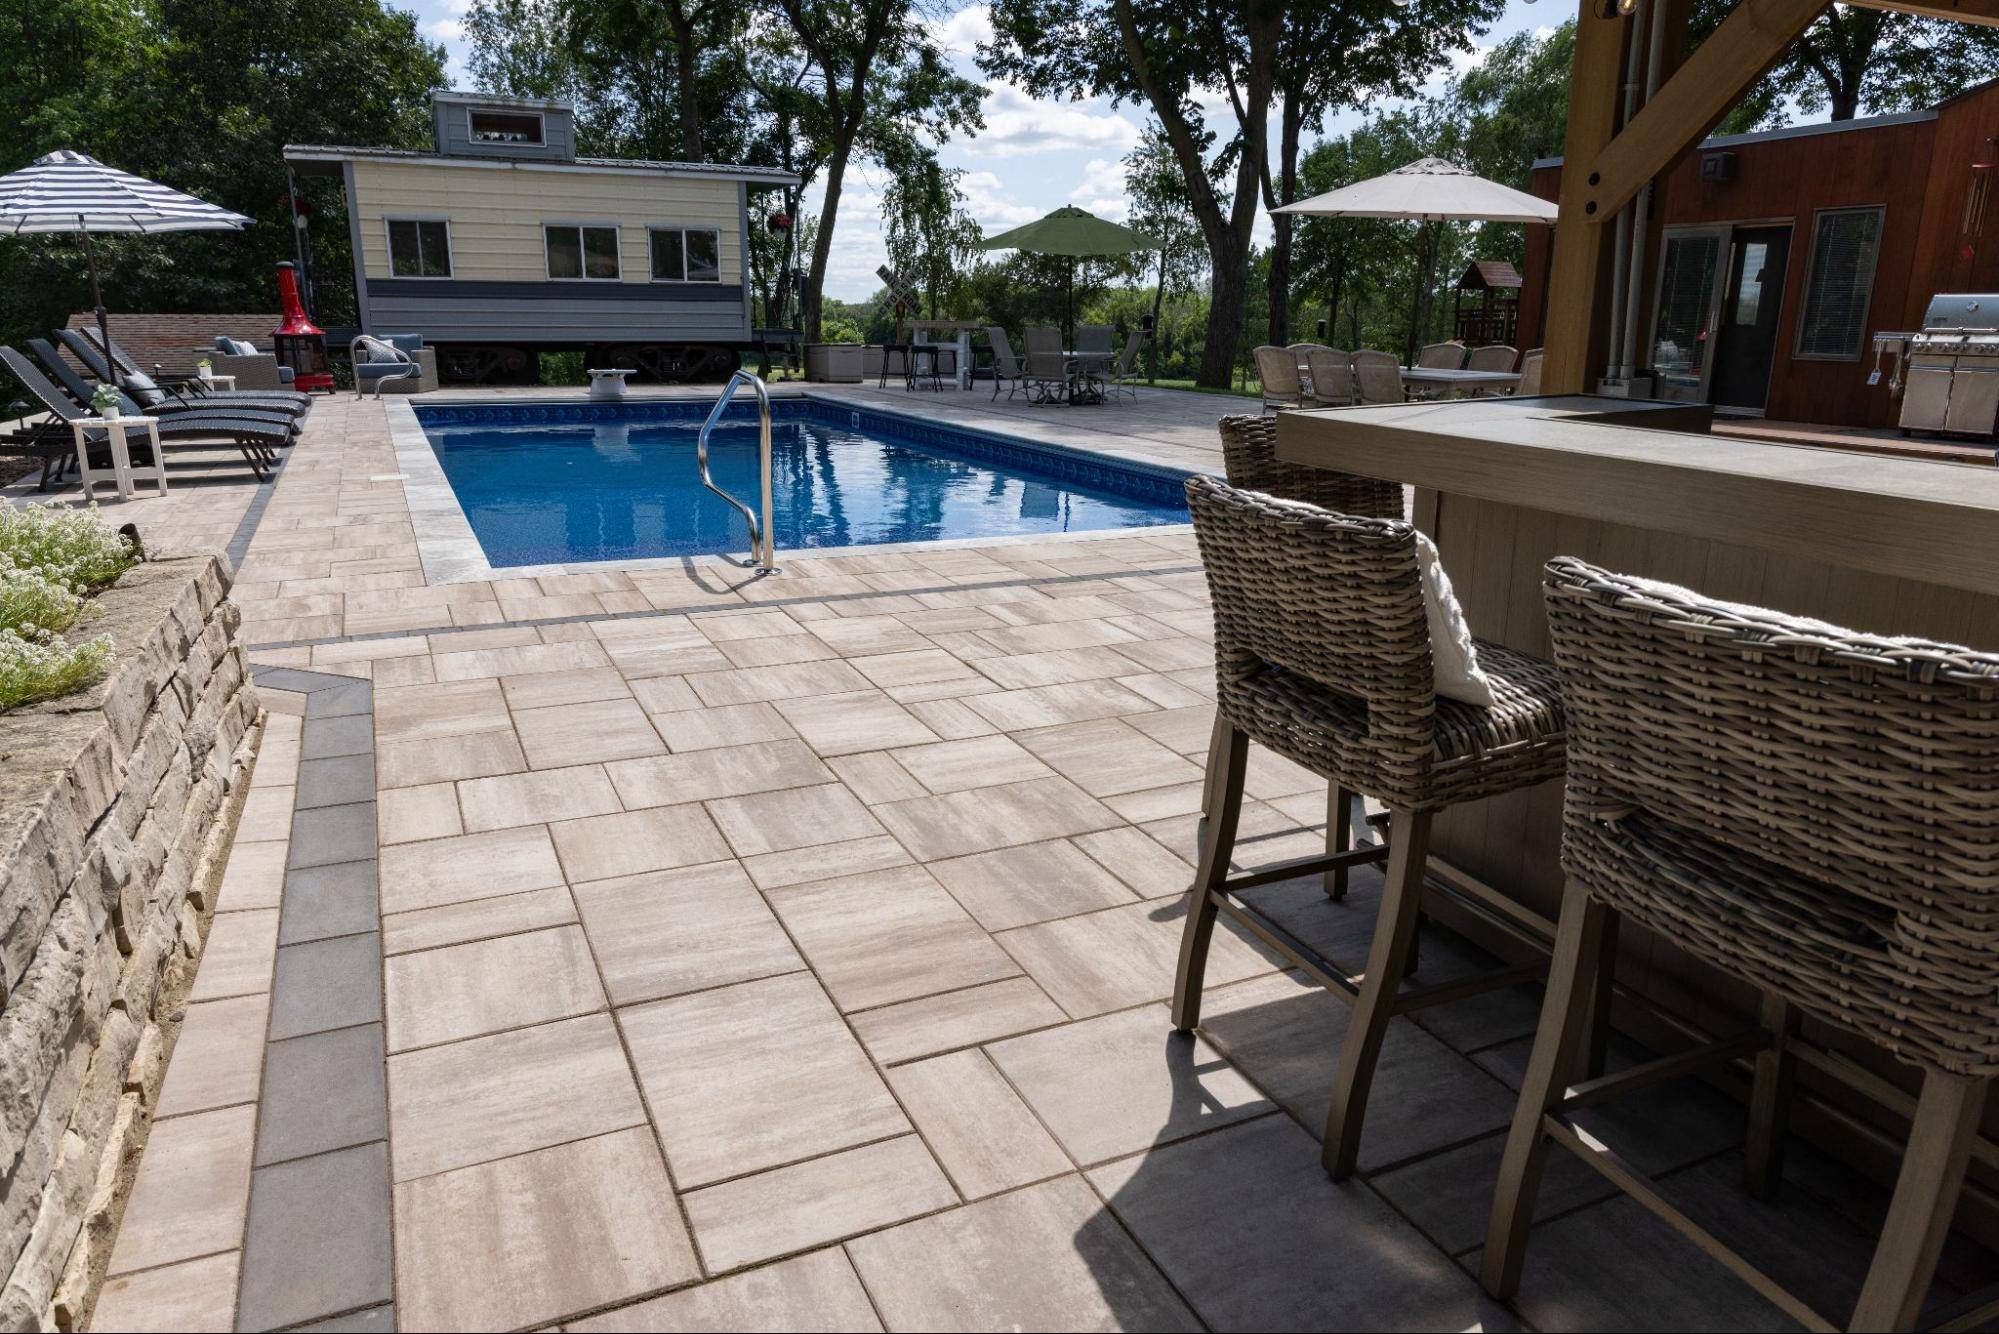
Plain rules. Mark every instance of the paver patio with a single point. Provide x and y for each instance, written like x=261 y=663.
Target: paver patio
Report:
x=670 y=950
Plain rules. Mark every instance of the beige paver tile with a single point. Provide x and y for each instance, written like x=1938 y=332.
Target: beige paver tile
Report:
x=473 y=866
x=868 y=636
x=730 y=725
x=1107 y=960
x=192 y=1297
x=954 y=1019
x=191 y=1190
x=751 y=1076
x=773 y=649
x=817 y=1291
x=448 y=709
x=1057 y=667
x=237 y=959
x=267 y=814
x=727 y=771
x=993 y=817
x=779 y=681
x=1107 y=758
x=954 y=766
x=543 y=795
x=664 y=694
x=254 y=878
x=1048 y=1257
x=1049 y=706
x=928 y=672
x=950 y=719
x=479 y=755
x=492 y=1097
x=1165 y=803
x=1138 y=861
x=516 y=660
x=541 y=690
x=668 y=932
x=218 y=1060
x=887 y=936
x=463 y=991
x=655 y=839
x=1019 y=639
x=792 y=1208
x=413 y=814
x=1012 y=887
x=473 y=1247
x=476 y=919
x=825 y=861
x=1121 y=1082
x=979 y=1129
x=846 y=724
x=875 y=777
x=745 y=625
x=796 y=817
x=569 y=734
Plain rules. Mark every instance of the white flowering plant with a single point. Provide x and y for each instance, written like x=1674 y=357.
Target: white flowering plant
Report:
x=51 y=559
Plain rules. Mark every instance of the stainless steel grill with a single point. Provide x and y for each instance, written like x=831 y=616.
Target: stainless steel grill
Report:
x=1952 y=379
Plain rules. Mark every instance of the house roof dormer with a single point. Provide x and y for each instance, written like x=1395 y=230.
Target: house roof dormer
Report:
x=492 y=125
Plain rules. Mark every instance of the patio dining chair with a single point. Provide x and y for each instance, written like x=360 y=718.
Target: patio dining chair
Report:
x=1332 y=377
x=1442 y=357
x=1277 y=369
x=1096 y=339
x=1046 y=374
x=1324 y=654
x=1124 y=371
x=1530 y=373
x=1378 y=376
x=1493 y=357
x=1812 y=813
x=1006 y=367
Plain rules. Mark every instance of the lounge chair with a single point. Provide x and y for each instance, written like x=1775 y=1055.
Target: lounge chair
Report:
x=1047 y=371
x=1124 y=371
x=151 y=394
x=256 y=441
x=1277 y=368
x=251 y=369
x=156 y=404
x=391 y=359
x=1378 y=376
x=1332 y=377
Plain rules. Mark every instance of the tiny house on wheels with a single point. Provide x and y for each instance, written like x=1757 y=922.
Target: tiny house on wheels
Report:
x=500 y=243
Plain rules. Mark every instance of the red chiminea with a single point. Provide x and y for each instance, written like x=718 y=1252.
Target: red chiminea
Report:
x=300 y=343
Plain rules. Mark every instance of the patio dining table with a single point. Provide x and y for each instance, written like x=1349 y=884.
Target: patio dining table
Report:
x=1086 y=372
x=1437 y=377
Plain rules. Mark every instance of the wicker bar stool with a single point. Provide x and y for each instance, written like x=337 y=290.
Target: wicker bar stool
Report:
x=1322 y=654
x=1815 y=813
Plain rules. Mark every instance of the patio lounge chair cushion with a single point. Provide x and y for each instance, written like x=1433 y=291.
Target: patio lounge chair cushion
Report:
x=374 y=351
x=1453 y=656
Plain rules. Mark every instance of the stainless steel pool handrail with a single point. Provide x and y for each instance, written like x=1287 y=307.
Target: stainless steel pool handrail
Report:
x=763 y=553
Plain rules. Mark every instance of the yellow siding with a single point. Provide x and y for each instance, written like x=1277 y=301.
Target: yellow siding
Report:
x=497 y=214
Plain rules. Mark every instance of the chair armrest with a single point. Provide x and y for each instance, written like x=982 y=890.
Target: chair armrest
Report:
x=254 y=372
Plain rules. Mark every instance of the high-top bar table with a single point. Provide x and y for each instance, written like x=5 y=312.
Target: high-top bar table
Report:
x=1888 y=545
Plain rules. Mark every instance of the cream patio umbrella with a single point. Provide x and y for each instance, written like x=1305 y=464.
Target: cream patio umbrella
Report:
x=1428 y=191
x=1074 y=232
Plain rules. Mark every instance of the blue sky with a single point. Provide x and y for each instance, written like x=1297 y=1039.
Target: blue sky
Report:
x=1033 y=155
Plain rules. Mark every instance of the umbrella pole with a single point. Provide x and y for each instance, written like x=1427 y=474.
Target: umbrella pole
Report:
x=96 y=295
x=1069 y=301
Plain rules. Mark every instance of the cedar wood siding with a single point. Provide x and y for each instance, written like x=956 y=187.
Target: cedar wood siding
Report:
x=499 y=289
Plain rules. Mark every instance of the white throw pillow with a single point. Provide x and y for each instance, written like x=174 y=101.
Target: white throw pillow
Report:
x=1453 y=658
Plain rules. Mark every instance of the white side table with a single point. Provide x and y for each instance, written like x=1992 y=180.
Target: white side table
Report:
x=218 y=381
x=608 y=382
x=121 y=473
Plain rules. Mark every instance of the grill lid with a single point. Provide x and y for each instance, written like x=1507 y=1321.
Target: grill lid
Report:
x=1962 y=310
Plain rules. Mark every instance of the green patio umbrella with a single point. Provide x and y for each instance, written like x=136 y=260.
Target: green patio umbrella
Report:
x=1076 y=233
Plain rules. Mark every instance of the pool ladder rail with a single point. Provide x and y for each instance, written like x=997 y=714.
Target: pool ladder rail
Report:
x=763 y=550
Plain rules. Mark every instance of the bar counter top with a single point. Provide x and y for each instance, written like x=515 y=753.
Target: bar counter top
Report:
x=1653 y=466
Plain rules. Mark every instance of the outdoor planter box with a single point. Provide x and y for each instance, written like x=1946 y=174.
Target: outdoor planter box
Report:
x=115 y=814
x=833 y=363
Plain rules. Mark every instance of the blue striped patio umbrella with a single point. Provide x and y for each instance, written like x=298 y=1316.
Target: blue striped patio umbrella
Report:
x=71 y=192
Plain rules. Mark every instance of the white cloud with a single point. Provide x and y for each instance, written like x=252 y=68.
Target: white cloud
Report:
x=1017 y=124
x=988 y=199
x=446 y=30
x=1101 y=190
x=961 y=33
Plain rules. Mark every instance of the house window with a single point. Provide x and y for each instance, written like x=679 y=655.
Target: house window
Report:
x=686 y=255
x=1846 y=242
x=582 y=252
x=419 y=248
x=506 y=127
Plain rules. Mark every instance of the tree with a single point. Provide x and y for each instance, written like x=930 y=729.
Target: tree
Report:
x=877 y=79
x=1343 y=53
x=1150 y=51
x=932 y=240
x=1159 y=208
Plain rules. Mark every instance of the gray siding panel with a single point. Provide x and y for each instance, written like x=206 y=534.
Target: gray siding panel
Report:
x=567 y=293
x=445 y=319
x=452 y=122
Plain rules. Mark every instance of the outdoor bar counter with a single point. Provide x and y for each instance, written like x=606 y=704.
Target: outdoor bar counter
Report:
x=1887 y=545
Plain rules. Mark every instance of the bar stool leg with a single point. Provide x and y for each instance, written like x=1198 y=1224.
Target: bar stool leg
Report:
x=1211 y=777
x=1940 y=1141
x=1339 y=836
x=1394 y=933
x=1597 y=1048
x=1572 y=970
x=1226 y=759
x=1770 y=1100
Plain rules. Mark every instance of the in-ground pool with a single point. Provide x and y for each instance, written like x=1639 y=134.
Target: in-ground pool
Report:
x=567 y=483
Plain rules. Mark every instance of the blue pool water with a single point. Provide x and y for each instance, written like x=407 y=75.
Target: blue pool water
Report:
x=550 y=484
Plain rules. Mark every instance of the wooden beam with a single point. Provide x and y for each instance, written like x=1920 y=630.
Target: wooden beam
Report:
x=1984 y=12
x=1688 y=105
x=1576 y=315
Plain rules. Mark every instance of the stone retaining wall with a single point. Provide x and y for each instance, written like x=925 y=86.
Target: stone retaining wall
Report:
x=113 y=806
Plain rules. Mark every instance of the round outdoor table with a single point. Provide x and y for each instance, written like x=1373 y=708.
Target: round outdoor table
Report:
x=608 y=382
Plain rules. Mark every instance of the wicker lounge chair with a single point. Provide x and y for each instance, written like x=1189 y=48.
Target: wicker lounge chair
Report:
x=1277 y=369
x=257 y=441
x=84 y=346
x=1323 y=654
x=1332 y=377
x=81 y=391
x=1813 y=813
x=1378 y=377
